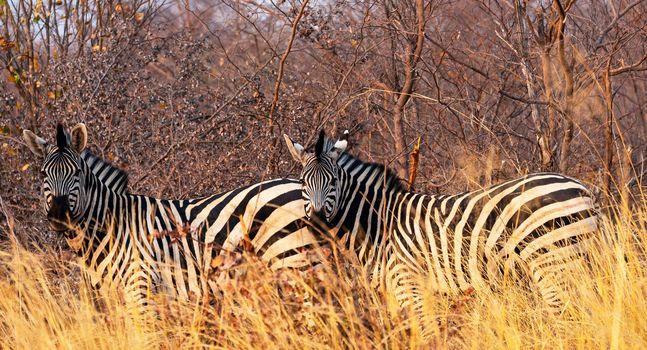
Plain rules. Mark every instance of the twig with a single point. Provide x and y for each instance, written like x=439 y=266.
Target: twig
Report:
x=456 y=59
x=232 y=98
x=11 y=224
x=103 y=76
x=168 y=151
x=614 y=21
x=522 y=99
x=277 y=84
x=632 y=67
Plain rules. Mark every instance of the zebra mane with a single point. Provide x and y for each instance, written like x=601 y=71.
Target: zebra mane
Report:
x=391 y=180
x=322 y=142
x=113 y=177
x=325 y=144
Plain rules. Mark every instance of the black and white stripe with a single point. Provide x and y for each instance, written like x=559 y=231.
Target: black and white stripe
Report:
x=139 y=241
x=538 y=223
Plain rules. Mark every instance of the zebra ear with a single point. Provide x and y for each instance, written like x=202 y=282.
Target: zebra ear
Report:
x=296 y=150
x=79 y=137
x=37 y=145
x=339 y=147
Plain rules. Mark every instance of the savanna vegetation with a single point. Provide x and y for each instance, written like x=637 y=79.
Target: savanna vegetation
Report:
x=192 y=97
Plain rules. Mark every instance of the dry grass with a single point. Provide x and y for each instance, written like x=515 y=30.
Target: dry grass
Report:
x=43 y=304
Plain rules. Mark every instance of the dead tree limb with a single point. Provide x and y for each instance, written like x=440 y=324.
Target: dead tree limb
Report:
x=608 y=127
x=543 y=139
x=567 y=70
x=414 y=158
x=277 y=84
x=411 y=59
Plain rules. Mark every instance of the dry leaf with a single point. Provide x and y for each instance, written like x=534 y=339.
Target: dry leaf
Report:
x=247 y=245
x=139 y=16
x=414 y=157
x=6 y=44
x=10 y=151
x=154 y=235
x=76 y=243
x=24 y=167
x=217 y=261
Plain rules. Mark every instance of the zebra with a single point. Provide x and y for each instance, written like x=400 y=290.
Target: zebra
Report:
x=144 y=243
x=539 y=223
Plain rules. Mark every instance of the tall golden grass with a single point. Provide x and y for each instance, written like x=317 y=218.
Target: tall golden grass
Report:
x=45 y=305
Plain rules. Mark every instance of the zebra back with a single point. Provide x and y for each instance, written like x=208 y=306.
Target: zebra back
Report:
x=107 y=173
x=139 y=241
x=539 y=223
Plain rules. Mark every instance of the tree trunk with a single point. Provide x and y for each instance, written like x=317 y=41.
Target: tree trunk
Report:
x=608 y=129
x=411 y=59
x=567 y=136
x=543 y=138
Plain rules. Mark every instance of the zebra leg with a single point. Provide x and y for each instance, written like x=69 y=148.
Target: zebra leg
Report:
x=427 y=324
x=409 y=288
x=552 y=274
x=550 y=289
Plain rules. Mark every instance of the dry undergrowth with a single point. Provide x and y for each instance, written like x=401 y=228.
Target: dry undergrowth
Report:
x=44 y=304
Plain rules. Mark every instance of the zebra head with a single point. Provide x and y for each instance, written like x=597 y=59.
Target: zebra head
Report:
x=63 y=178
x=320 y=175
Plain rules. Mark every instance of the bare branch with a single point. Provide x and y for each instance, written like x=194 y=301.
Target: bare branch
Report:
x=630 y=68
x=277 y=84
x=522 y=99
x=615 y=21
x=567 y=71
x=412 y=56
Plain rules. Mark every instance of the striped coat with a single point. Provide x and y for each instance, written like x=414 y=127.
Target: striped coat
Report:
x=538 y=224
x=141 y=242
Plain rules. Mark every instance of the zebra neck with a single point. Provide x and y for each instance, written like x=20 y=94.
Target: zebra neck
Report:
x=111 y=217
x=375 y=206
x=370 y=195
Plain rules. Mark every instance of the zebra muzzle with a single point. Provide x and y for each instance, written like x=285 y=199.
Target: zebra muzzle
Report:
x=318 y=218
x=58 y=214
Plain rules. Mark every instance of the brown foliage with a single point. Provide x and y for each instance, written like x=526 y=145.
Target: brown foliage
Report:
x=181 y=95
